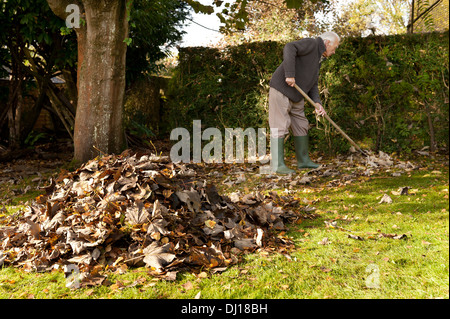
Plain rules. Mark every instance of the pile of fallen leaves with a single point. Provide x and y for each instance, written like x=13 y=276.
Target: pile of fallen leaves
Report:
x=138 y=210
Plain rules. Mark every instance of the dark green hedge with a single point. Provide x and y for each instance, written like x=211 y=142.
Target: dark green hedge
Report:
x=388 y=93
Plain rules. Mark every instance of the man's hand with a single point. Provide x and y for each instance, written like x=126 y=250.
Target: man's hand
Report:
x=290 y=81
x=320 y=110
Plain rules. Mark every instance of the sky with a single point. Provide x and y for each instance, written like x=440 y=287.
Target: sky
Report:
x=199 y=36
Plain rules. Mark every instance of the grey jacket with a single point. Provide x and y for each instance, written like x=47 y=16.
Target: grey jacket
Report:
x=301 y=60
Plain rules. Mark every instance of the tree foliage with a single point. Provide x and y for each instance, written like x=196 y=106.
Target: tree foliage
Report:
x=274 y=21
x=371 y=17
x=155 y=26
x=36 y=44
x=235 y=15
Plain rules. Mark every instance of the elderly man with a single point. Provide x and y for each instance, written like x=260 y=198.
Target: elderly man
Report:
x=301 y=64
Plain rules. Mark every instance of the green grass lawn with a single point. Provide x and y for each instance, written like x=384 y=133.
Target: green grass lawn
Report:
x=325 y=263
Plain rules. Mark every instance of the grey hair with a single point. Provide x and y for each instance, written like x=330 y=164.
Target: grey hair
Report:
x=331 y=36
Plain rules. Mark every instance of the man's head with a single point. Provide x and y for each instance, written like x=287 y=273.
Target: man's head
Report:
x=331 y=41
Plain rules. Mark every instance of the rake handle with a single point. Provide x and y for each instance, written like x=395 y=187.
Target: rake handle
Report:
x=329 y=119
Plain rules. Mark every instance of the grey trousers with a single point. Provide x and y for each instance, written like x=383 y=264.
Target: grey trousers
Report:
x=283 y=113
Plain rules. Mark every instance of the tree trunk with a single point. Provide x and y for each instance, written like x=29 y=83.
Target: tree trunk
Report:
x=430 y=127
x=15 y=104
x=70 y=77
x=101 y=76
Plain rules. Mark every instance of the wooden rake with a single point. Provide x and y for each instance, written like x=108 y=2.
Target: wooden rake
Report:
x=332 y=122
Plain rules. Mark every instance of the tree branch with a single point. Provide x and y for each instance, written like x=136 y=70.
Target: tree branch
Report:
x=430 y=8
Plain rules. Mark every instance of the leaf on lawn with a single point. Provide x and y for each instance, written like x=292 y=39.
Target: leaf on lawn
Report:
x=171 y=276
x=324 y=241
x=404 y=190
x=208 y=256
x=393 y=236
x=355 y=237
x=90 y=281
x=243 y=244
x=305 y=180
x=331 y=224
x=325 y=269
x=188 y=285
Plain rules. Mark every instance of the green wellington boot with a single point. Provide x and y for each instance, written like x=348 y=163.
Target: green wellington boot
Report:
x=302 y=154
x=277 y=149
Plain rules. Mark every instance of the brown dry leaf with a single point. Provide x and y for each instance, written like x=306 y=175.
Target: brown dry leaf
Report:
x=137 y=215
x=117 y=285
x=89 y=281
x=191 y=198
x=157 y=256
x=202 y=275
x=158 y=226
x=34 y=228
x=156 y=236
x=206 y=256
x=393 y=236
x=355 y=237
x=188 y=285
x=167 y=193
x=89 y=292
x=171 y=276
x=246 y=243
